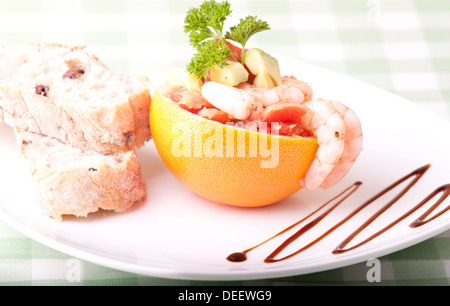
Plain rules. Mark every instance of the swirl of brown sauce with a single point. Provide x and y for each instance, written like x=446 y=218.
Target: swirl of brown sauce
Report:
x=416 y=175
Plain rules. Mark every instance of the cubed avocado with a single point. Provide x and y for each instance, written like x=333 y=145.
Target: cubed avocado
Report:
x=263 y=79
x=180 y=77
x=231 y=74
x=192 y=83
x=259 y=62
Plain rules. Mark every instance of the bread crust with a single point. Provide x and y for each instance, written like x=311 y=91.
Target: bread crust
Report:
x=52 y=133
x=37 y=114
x=104 y=128
x=82 y=190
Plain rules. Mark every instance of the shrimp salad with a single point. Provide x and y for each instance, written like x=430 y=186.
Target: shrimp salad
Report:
x=290 y=104
x=245 y=87
x=247 y=105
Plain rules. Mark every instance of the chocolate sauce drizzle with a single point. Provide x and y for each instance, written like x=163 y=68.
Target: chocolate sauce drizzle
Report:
x=337 y=200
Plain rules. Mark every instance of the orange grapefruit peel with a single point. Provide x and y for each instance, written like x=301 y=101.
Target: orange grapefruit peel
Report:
x=224 y=163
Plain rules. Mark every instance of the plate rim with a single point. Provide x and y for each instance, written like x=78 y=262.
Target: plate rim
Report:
x=231 y=276
x=427 y=233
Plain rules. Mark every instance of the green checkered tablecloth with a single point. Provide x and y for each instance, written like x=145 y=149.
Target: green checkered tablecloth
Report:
x=402 y=46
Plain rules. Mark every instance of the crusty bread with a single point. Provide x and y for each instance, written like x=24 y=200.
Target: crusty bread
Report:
x=66 y=93
x=70 y=181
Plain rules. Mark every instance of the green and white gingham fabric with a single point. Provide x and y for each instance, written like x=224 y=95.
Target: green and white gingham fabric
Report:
x=402 y=46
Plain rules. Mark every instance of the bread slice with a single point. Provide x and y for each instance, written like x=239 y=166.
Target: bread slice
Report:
x=70 y=181
x=68 y=94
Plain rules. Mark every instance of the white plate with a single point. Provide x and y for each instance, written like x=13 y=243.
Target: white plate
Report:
x=176 y=234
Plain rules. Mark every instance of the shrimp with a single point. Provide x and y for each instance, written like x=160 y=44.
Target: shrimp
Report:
x=234 y=101
x=263 y=96
x=328 y=126
x=353 y=145
x=305 y=88
x=339 y=135
x=290 y=90
x=189 y=99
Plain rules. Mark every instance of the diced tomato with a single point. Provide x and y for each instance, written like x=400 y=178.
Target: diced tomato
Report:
x=236 y=51
x=287 y=113
x=207 y=79
x=191 y=110
x=299 y=130
x=293 y=129
x=214 y=114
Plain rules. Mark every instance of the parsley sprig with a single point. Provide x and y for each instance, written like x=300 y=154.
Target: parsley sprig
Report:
x=209 y=53
x=205 y=27
x=246 y=28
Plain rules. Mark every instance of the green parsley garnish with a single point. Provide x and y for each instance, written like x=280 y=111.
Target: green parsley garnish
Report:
x=246 y=28
x=205 y=24
x=209 y=53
